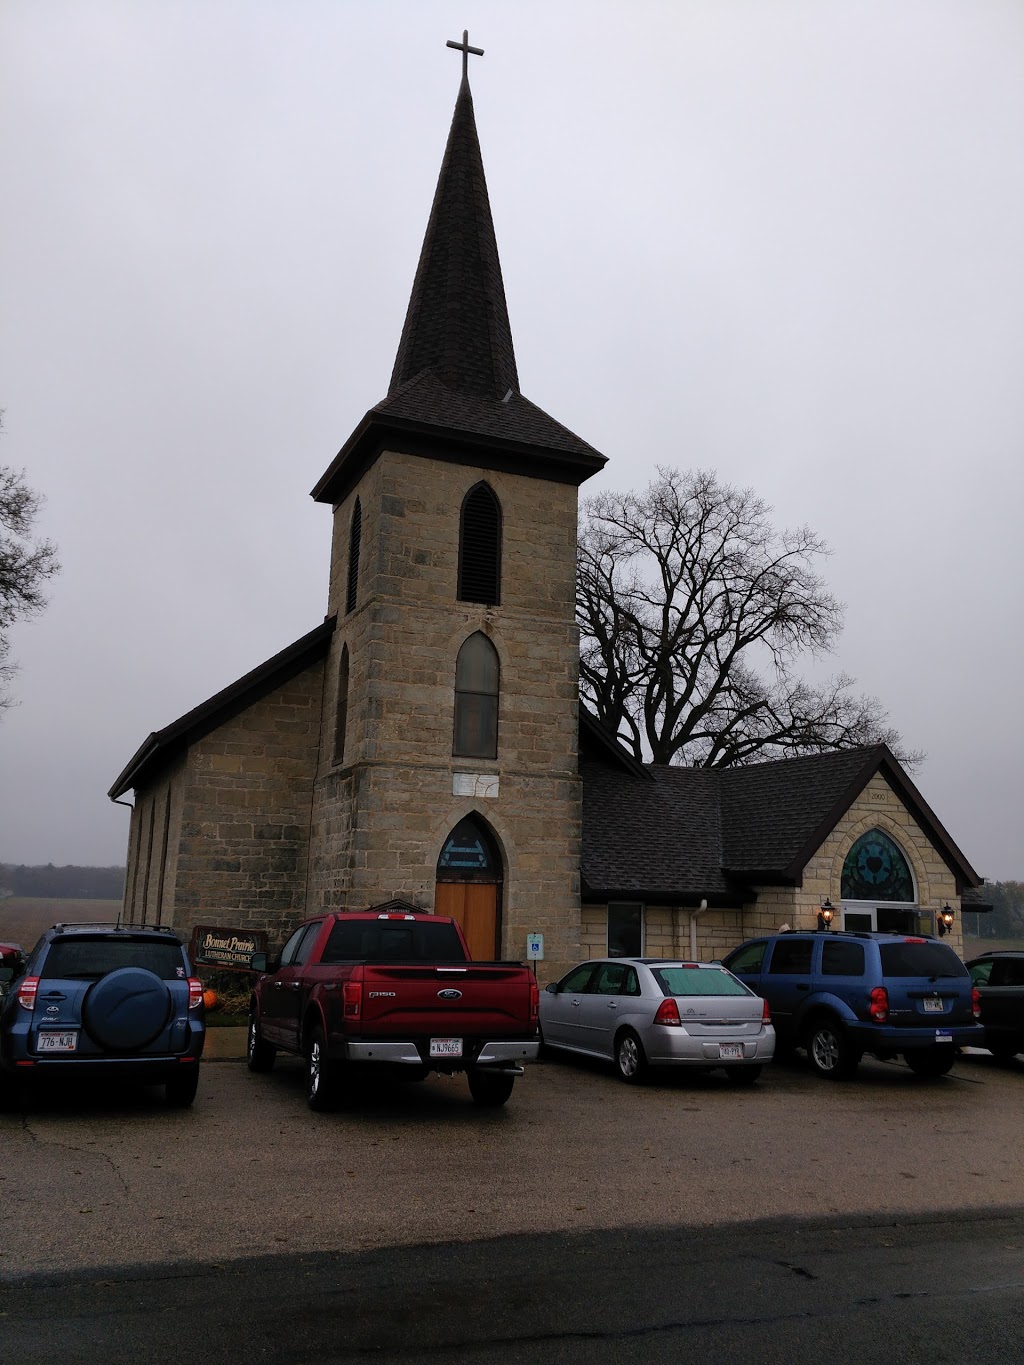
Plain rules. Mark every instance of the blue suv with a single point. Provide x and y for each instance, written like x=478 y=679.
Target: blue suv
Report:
x=103 y=1001
x=842 y=994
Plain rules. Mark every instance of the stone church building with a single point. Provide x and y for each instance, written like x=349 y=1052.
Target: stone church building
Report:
x=425 y=743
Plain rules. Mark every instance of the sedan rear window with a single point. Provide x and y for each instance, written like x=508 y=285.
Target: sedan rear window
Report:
x=698 y=981
x=392 y=941
x=919 y=959
x=90 y=958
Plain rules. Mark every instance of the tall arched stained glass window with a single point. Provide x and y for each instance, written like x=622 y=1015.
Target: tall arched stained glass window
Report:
x=876 y=870
x=476 y=699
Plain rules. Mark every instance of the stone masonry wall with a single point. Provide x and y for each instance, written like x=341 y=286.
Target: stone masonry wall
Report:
x=239 y=845
x=381 y=816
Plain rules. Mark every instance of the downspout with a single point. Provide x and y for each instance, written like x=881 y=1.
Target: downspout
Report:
x=693 y=929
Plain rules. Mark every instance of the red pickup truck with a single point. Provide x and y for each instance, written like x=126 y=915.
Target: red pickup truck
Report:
x=394 y=993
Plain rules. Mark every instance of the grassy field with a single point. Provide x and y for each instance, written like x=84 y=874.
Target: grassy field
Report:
x=23 y=918
x=974 y=946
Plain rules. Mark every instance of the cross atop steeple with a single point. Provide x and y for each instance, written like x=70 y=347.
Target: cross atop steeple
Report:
x=465 y=49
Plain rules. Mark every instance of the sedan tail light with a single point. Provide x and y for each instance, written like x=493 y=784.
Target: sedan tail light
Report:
x=976 y=1002
x=879 y=1007
x=27 y=992
x=766 y=1014
x=668 y=1012
x=195 y=992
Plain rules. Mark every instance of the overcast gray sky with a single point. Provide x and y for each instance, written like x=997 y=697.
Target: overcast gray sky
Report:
x=779 y=238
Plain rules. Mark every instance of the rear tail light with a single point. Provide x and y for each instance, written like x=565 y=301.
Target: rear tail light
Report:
x=352 y=994
x=879 y=1008
x=976 y=1002
x=27 y=992
x=195 y=992
x=668 y=1012
x=534 y=1000
x=766 y=1014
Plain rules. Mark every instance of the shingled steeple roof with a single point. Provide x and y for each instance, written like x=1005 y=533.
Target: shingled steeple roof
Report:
x=454 y=391
x=457 y=323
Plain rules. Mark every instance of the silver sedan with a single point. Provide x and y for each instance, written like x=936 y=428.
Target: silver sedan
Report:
x=643 y=1012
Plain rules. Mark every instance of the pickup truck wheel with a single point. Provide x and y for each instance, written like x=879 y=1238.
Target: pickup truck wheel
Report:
x=490 y=1088
x=181 y=1090
x=830 y=1051
x=321 y=1083
x=259 y=1054
x=630 y=1058
x=931 y=1061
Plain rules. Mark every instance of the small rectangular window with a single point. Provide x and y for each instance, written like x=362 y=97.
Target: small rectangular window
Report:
x=840 y=958
x=625 y=930
x=791 y=957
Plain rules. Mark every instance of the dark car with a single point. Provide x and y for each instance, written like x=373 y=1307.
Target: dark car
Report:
x=999 y=978
x=842 y=994
x=104 y=1001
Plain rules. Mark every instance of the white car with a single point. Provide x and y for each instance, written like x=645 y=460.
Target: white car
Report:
x=643 y=1012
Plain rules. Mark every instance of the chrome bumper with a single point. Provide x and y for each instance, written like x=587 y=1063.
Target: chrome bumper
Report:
x=495 y=1053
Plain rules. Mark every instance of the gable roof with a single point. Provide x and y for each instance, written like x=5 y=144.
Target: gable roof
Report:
x=714 y=833
x=162 y=745
x=454 y=392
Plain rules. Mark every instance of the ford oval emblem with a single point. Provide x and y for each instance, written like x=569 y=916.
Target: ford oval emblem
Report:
x=449 y=995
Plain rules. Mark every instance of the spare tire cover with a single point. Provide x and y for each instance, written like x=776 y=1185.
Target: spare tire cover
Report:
x=126 y=1009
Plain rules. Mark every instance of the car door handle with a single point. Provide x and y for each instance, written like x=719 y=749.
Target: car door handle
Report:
x=54 y=995
x=575 y=1004
x=803 y=985
x=613 y=1005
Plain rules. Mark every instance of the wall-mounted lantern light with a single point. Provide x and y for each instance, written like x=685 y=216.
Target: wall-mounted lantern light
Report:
x=946 y=918
x=826 y=913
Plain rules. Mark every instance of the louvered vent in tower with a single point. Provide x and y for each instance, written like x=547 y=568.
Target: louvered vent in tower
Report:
x=353 y=557
x=480 y=547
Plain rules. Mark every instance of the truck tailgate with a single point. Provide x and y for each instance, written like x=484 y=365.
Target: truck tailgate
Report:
x=474 y=1000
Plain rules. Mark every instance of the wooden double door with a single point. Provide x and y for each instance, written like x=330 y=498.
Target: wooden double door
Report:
x=475 y=906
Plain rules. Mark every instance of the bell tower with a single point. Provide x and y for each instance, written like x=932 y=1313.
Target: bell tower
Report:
x=448 y=760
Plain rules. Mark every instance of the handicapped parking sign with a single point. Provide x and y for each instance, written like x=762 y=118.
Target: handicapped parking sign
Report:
x=535 y=947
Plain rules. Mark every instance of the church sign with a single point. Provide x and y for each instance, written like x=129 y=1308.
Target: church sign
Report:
x=229 y=950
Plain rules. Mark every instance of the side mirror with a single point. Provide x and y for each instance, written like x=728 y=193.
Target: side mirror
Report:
x=552 y=988
x=258 y=962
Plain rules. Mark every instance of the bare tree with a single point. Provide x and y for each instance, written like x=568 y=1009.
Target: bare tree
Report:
x=694 y=612
x=25 y=564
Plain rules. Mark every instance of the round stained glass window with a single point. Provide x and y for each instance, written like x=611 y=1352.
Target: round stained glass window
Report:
x=876 y=870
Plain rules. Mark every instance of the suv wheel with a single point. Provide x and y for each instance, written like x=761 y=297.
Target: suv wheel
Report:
x=830 y=1051
x=630 y=1057
x=931 y=1061
x=259 y=1054
x=181 y=1091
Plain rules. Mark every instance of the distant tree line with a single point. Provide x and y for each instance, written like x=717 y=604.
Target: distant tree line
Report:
x=63 y=883
x=1006 y=918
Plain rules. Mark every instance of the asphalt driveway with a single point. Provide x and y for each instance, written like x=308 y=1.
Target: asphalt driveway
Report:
x=96 y=1179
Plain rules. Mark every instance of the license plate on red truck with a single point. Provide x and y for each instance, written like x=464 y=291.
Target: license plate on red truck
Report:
x=446 y=1047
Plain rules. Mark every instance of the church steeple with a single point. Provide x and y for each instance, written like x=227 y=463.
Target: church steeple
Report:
x=454 y=391
x=457 y=322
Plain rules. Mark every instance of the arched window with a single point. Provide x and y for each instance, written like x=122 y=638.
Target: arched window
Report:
x=876 y=870
x=355 y=535
x=480 y=547
x=476 y=699
x=341 y=710
x=469 y=853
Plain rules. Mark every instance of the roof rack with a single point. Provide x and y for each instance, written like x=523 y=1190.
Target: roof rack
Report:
x=115 y=924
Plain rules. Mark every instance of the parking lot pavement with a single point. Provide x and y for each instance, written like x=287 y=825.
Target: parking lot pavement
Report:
x=94 y=1179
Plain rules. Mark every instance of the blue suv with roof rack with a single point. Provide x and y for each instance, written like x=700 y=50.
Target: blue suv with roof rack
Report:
x=842 y=994
x=103 y=1000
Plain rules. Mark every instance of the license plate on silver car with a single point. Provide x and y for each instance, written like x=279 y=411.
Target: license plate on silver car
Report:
x=446 y=1047
x=932 y=1005
x=57 y=1042
x=730 y=1051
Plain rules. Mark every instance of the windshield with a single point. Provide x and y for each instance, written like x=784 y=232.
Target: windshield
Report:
x=698 y=981
x=393 y=941
x=91 y=958
x=919 y=959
